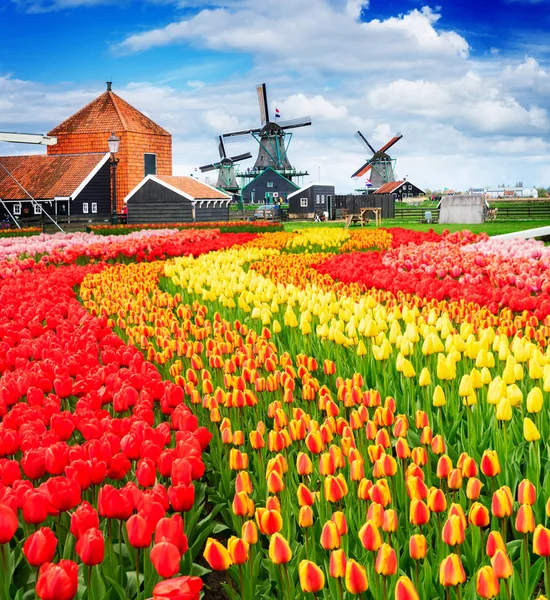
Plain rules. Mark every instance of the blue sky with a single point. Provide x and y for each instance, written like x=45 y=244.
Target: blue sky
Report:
x=466 y=82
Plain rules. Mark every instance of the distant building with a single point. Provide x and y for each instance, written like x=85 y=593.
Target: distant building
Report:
x=507 y=192
x=311 y=200
x=267 y=188
x=170 y=199
x=145 y=147
x=61 y=185
x=400 y=190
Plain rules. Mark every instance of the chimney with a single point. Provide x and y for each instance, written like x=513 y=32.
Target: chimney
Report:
x=109 y=84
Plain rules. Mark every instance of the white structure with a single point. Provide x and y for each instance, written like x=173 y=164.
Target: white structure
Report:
x=28 y=138
x=462 y=209
x=506 y=192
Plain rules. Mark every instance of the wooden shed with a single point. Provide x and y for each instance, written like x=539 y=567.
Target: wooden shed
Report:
x=314 y=199
x=172 y=199
x=268 y=188
x=351 y=204
x=61 y=185
x=400 y=190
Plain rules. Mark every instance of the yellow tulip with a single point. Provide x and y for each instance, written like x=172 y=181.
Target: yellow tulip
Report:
x=530 y=431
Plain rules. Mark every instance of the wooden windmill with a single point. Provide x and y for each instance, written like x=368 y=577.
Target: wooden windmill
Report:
x=380 y=163
x=226 y=168
x=273 y=138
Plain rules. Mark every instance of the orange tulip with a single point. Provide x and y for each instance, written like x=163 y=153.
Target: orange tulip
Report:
x=417 y=546
x=473 y=488
x=490 y=465
x=451 y=571
x=217 y=555
x=494 y=543
x=541 y=541
x=487 y=585
x=453 y=531
x=502 y=565
x=330 y=537
x=444 y=467
x=238 y=550
x=525 y=519
x=305 y=517
x=501 y=504
x=390 y=521
x=304 y=466
x=454 y=479
x=437 y=501
x=405 y=590
x=312 y=578
x=305 y=496
x=527 y=493
x=370 y=537
x=386 y=561
x=479 y=515
x=337 y=564
x=279 y=550
x=339 y=518
x=376 y=514
x=356 y=578
x=249 y=533
x=419 y=513
x=269 y=521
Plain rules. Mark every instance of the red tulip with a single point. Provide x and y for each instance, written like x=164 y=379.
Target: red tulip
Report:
x=179 y=588
x=91 y=547
x=171 y=530
x=182 y=497
x=139 y=533
x=40 y=547
x=35 y=507
x=166 y=558
x=57 y=581
x=8 y=524
x=84 y=517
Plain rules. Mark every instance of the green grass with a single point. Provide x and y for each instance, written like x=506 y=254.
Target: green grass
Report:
x=492 y=228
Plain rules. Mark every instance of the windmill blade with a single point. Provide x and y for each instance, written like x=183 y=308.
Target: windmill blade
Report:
x=221 y=147
x=239 y=136
x=392 y=142
x=293 y=123
x=363 y=170
x=207 y=168
x=262 y=101
x=241 y=157
x=364 y=140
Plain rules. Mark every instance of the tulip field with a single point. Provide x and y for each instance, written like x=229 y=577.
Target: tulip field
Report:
x=326 y=414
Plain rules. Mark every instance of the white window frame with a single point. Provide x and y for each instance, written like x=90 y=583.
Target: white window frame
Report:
x=85 y=208
x=94 y=207
x=37 y=209
x=322 y=198
x=269 y=184
x=303 y=202
x=317 y=199
x=17 y=208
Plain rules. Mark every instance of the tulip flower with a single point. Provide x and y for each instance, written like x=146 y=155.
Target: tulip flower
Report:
x=525 y=519
x=417 y=546
x=490 y=465
x=139 y=533
x=216 y=555
x=238 y=550
x=312 y=578
x=90 y=547
x=502 y=565
x=530 y=431
x=527 y=492
x=451 y=571
x=40 y=546
x=487 y=585
x=541 y=541
x=330 y=536
x=479 y=515
x=8 y=524
x=84 y=517
x=279 y=550
x=494 y=543
x=405 y=590
x=386 y=561
x=249 y=533
x=186 y=588
x=57 y=581
x=453 y=531
x=370 y=537
x=337 y=564
x=419 y=513
x=356 y=578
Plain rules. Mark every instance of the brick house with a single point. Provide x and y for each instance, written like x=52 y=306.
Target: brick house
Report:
x=145 y=147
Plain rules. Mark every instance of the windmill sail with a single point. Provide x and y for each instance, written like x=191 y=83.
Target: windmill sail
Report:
x=262 y=101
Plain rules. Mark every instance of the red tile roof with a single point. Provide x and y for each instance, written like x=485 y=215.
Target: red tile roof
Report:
x=107 y=113
x=45 y=176
x=192 y=187
x=390 y=187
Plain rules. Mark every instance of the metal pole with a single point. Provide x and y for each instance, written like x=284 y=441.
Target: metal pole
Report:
x=114 y=163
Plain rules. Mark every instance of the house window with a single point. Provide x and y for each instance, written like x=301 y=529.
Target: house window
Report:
x=322 y=198
x=17 y=208
x=410 y=187
x=85 y=208
x=150 y=161
x=270 y=184
x=37 y=209
x=317 y=198
x=94 y=207
x=303 y=202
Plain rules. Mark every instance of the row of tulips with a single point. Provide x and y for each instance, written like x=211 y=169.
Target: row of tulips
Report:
x=364 y=443
x=100 y=457
x=222 y=226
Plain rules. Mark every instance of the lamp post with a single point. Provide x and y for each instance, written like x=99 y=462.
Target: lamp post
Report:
x=113 y=143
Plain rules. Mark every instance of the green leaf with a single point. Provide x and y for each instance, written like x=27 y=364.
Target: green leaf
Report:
x=97 y=584
x=199 y=571
x=115 y=587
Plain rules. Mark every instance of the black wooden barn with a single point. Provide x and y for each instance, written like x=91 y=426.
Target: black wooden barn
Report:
x=172 y=199
x=61 y=185
x=268 y=188
x=351 y=204
x=400 y=190
x=314 y=199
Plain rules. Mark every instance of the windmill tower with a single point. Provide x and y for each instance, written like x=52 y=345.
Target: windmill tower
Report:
x=273 y=138
x=381 y=163
x=226 y=168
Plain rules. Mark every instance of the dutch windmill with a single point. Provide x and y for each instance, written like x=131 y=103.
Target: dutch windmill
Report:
x=226 y=168
x=273 y=138
x=381 y=163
